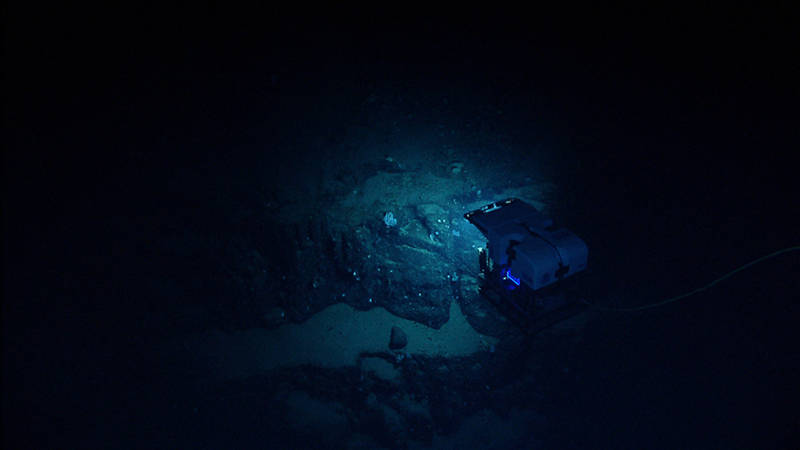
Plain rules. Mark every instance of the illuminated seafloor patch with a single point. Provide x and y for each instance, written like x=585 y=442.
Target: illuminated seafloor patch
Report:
x=335 y=337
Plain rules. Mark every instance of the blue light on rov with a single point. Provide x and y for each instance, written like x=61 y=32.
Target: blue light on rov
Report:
x=506 y=274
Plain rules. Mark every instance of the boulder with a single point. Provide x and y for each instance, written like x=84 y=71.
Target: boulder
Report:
x=398 y=339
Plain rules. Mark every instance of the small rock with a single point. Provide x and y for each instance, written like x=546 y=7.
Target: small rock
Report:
x=398 y=339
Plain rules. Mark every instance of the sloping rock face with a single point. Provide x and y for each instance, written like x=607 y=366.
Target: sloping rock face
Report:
x=339 y=246
x=297 y=251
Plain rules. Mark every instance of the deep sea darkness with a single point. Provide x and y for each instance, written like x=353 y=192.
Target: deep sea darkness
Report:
x=182 y=176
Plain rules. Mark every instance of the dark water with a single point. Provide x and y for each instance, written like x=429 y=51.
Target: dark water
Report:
x=671 y=148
